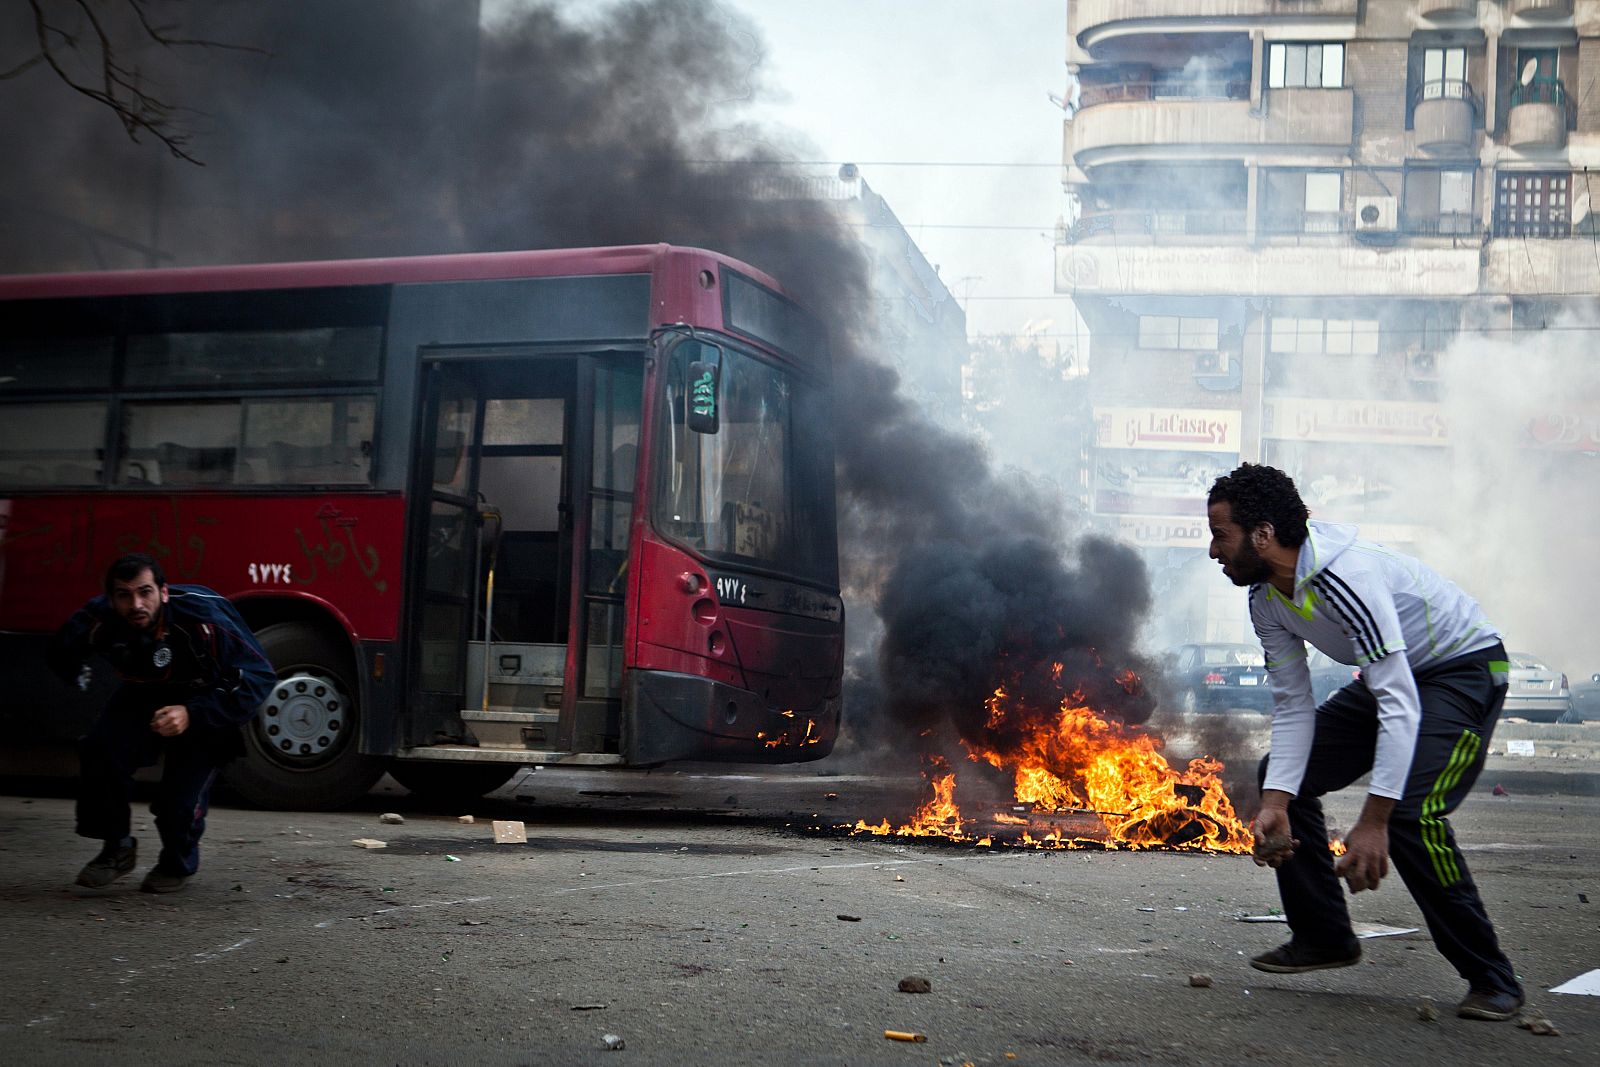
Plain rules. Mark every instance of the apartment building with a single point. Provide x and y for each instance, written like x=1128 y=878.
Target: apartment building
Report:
x=1285 y=213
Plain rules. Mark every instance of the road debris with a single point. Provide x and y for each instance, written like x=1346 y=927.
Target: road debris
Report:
x=904 y=1035
x=1200 y=981
x=1426 y=1012
x=915 y=984
x=452 y=859
x=465 y=819
x=613 y=1043
x=588 y=1007
x=1533 y=1020
x=393 y=818
x=848 y=918
x=1500 y=790
x=369 y=842
x=510 y=832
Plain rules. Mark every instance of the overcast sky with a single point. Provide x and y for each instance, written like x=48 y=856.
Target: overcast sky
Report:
x=938 y=81
x=915 y=83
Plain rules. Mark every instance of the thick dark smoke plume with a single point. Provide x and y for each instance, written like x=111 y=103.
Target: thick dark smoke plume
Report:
x=396 y=127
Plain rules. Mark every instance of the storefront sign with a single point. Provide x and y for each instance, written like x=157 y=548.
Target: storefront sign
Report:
x=1163 y=531
x=1388 y=421
x=1185 y=429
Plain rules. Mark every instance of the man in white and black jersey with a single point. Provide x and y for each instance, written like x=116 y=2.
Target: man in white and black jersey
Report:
x=1419 y=718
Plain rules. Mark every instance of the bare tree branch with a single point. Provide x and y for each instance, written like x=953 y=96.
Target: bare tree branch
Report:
x=121 y=87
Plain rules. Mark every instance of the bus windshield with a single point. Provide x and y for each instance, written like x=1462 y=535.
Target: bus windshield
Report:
x=758 y=493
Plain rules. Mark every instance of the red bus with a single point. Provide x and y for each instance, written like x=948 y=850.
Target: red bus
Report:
x=483 y=511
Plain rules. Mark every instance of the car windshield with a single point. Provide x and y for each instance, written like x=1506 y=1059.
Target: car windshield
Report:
x=1523 y=661
x=1232 y=656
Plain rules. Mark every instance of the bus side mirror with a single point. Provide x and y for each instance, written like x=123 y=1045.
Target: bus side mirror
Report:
x=705 y=398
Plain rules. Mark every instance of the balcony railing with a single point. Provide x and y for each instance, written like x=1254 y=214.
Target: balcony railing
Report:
x=1542 y=9
x=1139 y=91
x=1540 y=113
x=1157 y=223
x=1448 y=224
x=1541 y=91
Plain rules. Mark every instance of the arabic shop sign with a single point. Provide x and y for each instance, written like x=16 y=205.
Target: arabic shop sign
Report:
x=1394 y=422
x=1163 y=531
x=1186 y=429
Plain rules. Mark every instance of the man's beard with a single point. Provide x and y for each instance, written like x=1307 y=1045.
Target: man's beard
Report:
x=1247 y=567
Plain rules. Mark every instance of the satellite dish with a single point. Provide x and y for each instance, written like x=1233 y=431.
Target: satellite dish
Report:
x=1529 y=69
x=1580 y=208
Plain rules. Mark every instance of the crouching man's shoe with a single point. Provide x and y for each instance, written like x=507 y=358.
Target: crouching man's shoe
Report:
x=1295 y=958
x=1493 y=1007
x=114 y=861
x=160 y=881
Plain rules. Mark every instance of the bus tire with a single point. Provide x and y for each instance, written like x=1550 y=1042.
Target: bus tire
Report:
x=437 y=782
x=302 y=750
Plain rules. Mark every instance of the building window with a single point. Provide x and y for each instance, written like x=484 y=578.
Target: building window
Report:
x=1533 y=205
x=1440 y=202
x=1334 y=337
x=1444 y=74
x=1305 y=66
x=1173 y=332
x=1324 y=198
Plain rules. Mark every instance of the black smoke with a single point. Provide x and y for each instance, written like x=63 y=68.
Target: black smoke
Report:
x=395 y=127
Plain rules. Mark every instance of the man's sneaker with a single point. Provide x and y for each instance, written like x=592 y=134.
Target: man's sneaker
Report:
x=113 y=862
x=1493 y=1007
x=1293 y=958
x=159 y=881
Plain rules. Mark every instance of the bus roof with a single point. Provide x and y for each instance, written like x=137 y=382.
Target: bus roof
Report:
x=466 y=266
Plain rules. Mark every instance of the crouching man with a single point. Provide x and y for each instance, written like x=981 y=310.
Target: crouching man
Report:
x=192 y=674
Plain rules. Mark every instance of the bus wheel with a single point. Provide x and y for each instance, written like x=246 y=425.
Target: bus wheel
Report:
x=302 y=749
x=437 y=782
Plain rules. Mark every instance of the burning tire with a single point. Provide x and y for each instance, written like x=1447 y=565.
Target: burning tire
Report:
x=302 y=750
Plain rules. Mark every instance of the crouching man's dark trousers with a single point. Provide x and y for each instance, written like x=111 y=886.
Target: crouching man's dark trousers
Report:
x=1461 y=701
x=118 y=745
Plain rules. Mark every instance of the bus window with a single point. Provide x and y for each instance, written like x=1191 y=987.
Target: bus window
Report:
x=237 y=357
x=55 y=363
x=51 y=444
x=731 y=493
x=179 y=444
x=618 y=396
x=308 y=442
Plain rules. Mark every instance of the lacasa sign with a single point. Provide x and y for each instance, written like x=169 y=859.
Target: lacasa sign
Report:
x=1393 y=422
x=1565 y=431
x=1183 y=429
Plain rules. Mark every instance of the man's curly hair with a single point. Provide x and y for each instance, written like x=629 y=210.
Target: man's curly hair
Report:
x=1257 y=493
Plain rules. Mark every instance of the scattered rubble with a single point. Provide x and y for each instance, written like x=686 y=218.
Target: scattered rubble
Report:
x=465 y=819
x=1200 y=981
x=1426 y=1012
x=1533 y=1020
x=904 y=1035
x=613 y=1043
x=393 y=818
x=369 y=842
x=510 y=832
x=848 y=918
x=915 y=984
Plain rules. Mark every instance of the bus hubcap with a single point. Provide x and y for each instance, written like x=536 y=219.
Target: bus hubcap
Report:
x=304 y=717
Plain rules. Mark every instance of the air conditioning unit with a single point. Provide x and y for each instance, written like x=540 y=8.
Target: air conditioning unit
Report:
x=1422 y=366
x=1210 y=364
x=1377 y=214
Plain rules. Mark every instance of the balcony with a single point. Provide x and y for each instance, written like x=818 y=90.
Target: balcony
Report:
x=1296 y=120
x=1158 y=223
x=1092 y=23
x=1325 y=265
x=1447 y=9
x=1538 y=115
x=1445 y=117
x=1539 y=266
x=1542 y=9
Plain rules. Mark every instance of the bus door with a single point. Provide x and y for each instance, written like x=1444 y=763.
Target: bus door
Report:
x=491 y=629
x=611 y=387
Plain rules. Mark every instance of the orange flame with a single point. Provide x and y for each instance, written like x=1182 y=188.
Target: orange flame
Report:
x=1076 y=760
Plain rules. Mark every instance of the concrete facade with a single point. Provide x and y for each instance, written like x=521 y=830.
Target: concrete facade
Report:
x=1287 y=212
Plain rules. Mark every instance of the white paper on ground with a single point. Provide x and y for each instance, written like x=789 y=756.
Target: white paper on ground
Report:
x=1519 y=748
x=1363 y=930
x=1586 y=984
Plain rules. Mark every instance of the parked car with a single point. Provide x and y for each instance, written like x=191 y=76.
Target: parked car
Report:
x=1585 y=706
x=1328 y=675
x=1217 y=677
x=1536 y=692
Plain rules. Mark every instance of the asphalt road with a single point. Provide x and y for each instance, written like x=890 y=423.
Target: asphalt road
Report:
x=698 y=919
